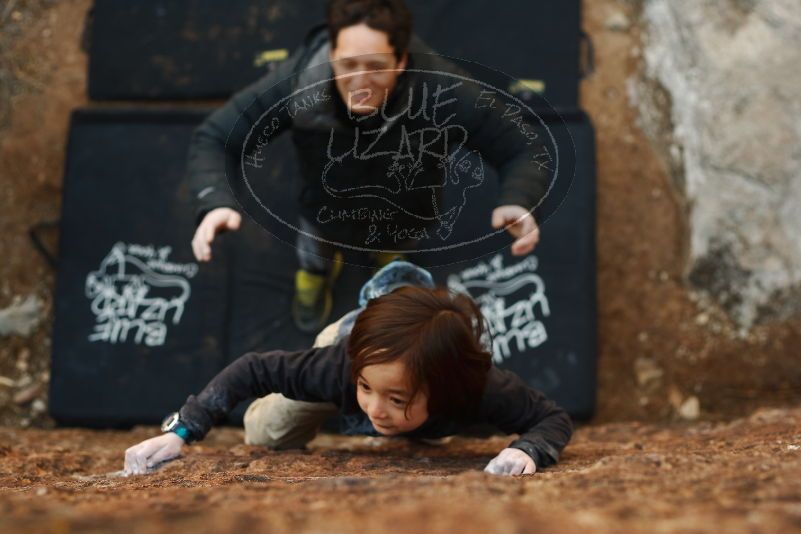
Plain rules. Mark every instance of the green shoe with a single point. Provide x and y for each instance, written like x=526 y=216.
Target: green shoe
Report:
x=313 y=300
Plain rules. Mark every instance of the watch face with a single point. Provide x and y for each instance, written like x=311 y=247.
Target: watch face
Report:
x=169 y=422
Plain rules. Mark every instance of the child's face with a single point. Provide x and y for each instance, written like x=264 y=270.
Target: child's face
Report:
x=383 y=394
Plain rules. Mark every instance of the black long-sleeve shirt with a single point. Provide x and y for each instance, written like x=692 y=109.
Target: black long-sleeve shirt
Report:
x=323 y=375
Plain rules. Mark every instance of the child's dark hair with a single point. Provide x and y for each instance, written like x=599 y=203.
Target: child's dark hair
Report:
x=389 y=16
x=437 y=334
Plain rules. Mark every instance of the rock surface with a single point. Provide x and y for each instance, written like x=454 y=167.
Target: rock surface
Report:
x=730 y=121
x=737 y=476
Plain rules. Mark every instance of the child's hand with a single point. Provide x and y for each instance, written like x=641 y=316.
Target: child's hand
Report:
x=141 y=457
x=511 y=462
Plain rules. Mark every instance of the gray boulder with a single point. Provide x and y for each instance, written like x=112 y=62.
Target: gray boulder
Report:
x=731 y=72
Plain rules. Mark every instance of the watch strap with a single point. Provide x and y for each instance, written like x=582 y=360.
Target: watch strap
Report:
x=183 y=432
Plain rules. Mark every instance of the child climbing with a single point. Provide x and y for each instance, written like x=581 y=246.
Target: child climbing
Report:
x=413 y=361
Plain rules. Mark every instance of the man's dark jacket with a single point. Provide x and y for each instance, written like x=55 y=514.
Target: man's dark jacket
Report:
x=237 y=130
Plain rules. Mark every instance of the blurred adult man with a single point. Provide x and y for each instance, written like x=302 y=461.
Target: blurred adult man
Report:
x=367 y=45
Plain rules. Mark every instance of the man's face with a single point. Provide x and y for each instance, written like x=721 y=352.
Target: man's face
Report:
x=360 y=55
x=383 y=393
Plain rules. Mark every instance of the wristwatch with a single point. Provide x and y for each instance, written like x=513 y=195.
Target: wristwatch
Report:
x=172 y=423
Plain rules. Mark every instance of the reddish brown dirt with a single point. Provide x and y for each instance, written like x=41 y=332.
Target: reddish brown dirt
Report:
x=742 y=476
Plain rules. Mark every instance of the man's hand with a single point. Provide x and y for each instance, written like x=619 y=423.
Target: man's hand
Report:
x=511 y=462
x=141 y=457
x=215 y=221
x=523 y=227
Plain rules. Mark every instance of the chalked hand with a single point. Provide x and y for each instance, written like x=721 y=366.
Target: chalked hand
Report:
x=216 y=221
x=151 y=452
x=511 y=462
x=520 y=224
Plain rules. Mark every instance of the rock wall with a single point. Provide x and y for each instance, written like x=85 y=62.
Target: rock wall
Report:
x=730 y=74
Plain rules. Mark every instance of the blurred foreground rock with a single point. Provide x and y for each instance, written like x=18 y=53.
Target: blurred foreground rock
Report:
x=737 y=476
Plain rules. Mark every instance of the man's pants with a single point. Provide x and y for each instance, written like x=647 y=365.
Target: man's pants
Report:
x=317 y=256
x=280 y=423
